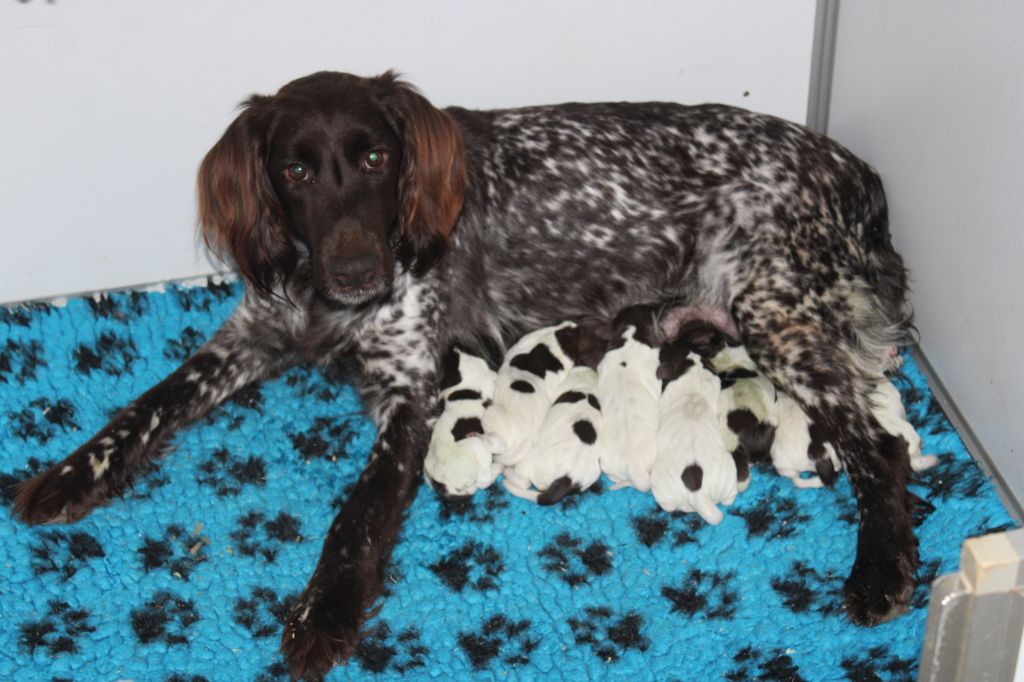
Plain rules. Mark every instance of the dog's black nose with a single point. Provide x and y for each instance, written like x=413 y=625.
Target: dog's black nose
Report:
x=355 y=271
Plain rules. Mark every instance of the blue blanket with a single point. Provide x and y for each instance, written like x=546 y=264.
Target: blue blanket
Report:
x=188 y=577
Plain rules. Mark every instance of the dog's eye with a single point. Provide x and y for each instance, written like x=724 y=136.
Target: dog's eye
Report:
x=297 y=172
x=375 y=159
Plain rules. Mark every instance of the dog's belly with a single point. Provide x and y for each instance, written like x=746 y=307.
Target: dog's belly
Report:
x=584 y=209
x=568 y=287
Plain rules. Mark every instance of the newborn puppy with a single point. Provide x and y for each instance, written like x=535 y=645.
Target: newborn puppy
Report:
x=566 y=457
x=629 y=389
x=797 y=449
x=693 y=470
x=458 y=460
x=526 y=385
x=887 y=407
x=746 y=409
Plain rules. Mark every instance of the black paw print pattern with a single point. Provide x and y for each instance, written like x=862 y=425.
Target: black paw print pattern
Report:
x=165 y=618
x=607 y=636
x=248 y=398
x=183 y=347
x=475 y=565
x=178 y=552
x=121 y=308
x=40 y=420
x=773 y=666
x=703 y=593
x=228 y=475
x=382 y=650
x=923 y=410
x=58 y=632
x=772 y=518
x=567 y=558
x=846 y=508
x=24 y=314
x=275 y=672
x=878 y=664
x=328 y=438
x=472 y=509
x=63 y=553
x=986 y=526
x=9 y=480
x=951 y=478
x=19 y=361
x=804 y=589
x=110 y=354
x=927 y=572
x=255 y=536
x=200 y=299
x=498 y=637
x=652 y=527
x=263 y=613
x=308 y=384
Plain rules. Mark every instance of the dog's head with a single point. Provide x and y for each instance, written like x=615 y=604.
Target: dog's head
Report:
x=355 y=172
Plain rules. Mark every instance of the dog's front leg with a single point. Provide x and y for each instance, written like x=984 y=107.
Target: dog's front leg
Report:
x=324 y=628
x=102 y=467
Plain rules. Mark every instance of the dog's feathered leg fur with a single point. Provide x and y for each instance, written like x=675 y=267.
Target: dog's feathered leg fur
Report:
x=802 y=351
x=399 y=358
x=101 y=468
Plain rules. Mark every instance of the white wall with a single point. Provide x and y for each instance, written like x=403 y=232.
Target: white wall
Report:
x=932 y=94
x=106 y=108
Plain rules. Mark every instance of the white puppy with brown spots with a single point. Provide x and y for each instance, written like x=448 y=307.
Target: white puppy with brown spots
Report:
x=796 y=451
x=746 y=410
x=629 y=389
x=567 y=456
x=887 y=407
x=459 y=461
x=526 y=386
x=693 y=470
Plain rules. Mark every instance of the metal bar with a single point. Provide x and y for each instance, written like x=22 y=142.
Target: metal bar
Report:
x=822 y=61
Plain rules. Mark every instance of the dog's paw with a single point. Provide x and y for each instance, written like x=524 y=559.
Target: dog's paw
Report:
x=319 y=633
x=64 y=493
x=879 y=589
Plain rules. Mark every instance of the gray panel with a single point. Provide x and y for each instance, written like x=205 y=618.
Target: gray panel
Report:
x=946 y=630
x=822 y=57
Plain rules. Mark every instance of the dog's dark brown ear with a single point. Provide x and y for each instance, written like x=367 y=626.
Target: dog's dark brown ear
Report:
x=239 y=213
x=432 y=184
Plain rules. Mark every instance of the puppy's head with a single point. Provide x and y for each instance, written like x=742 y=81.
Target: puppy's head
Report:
x=351 y=172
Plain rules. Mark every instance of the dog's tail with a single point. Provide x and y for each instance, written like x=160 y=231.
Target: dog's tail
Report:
x=887 y=319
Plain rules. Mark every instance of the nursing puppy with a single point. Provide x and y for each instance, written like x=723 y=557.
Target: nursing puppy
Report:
x=566 y=458
x=746 y=410
x=887 y=407
x=459 y=461
x=629 y=389
x=526 y=385
x=799 y=449
x=693 y=470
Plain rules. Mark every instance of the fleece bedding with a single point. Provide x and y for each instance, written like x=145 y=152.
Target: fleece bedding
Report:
x=188 y=577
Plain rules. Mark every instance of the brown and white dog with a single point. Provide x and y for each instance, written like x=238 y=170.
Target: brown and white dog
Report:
x=370 y=226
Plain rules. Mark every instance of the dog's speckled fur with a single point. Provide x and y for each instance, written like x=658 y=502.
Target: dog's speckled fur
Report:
x=569 y=210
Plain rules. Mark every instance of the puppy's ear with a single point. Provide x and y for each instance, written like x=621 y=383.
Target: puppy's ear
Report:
x=432 y=183
x=593 y=340
x=239 y=213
